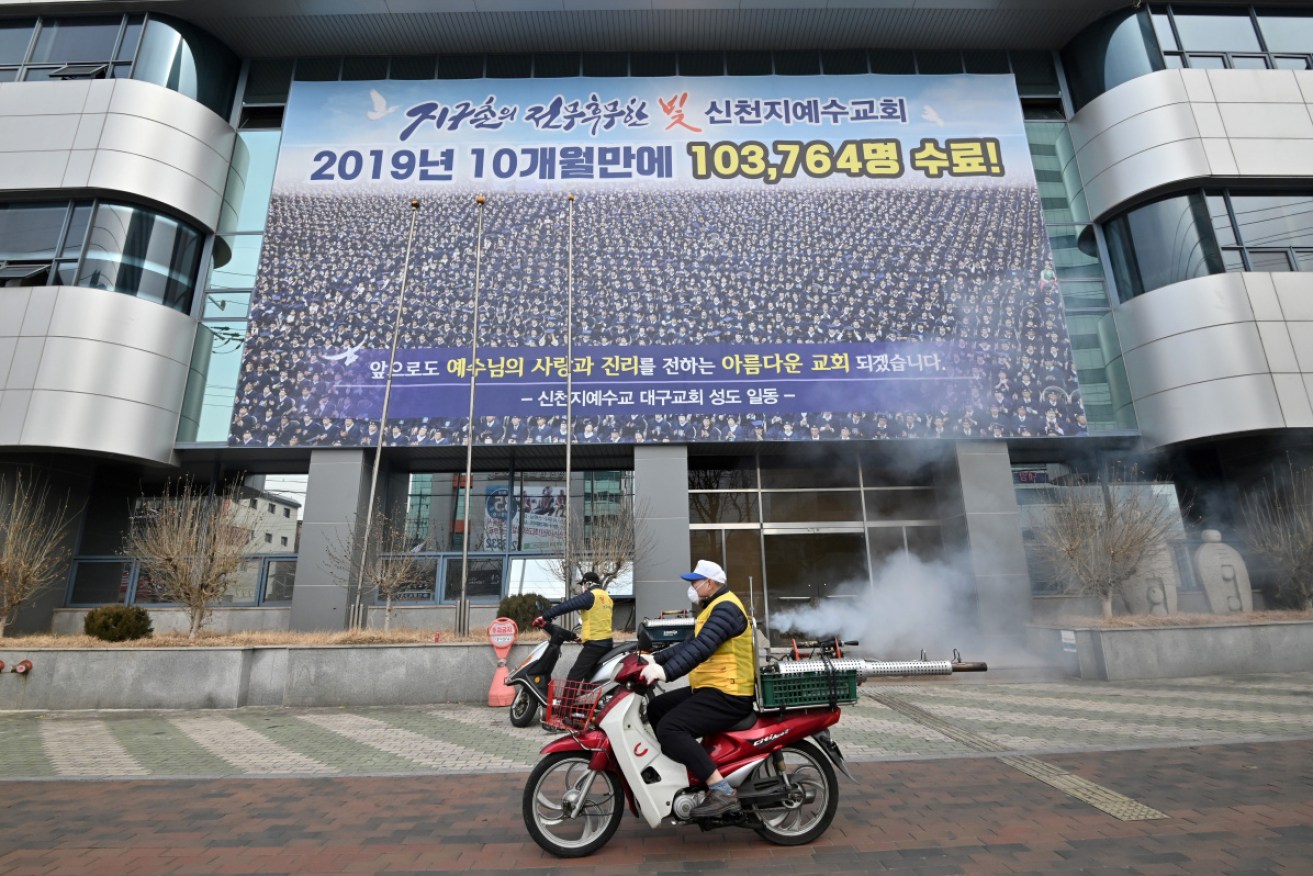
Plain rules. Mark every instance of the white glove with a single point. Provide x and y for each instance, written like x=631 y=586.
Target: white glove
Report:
x=653 y=673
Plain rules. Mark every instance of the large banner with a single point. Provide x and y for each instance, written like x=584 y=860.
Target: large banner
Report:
x=717 y=259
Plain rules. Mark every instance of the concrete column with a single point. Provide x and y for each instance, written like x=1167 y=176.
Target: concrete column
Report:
x=337 y=491
x=661 y=520
x=982 y=523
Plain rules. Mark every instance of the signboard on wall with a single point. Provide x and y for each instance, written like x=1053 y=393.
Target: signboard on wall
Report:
x=726 y=259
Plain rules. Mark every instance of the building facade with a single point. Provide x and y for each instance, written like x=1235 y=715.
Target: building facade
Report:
x=1136 y=302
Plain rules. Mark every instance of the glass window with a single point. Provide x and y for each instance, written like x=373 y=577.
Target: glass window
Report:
x=1227 y=30
x=279 y=578
x=359 y=69
x=605 y=63
x=1162 y=28
x=1274 y=220
x=15 y=36
x=143 y=253
x=986 y=62
x=216 y=363
x=798 y=63
x=1285 y=32
x=1115 y=50
x=701 y=64
x=1162 y=243
x=805 y=507
x=938 y=62
x=234 y=260
x=847 y=62
x=1270 y=260
x=269 y=81
x=831 y=468
x=748 y=64
x=99 y=582
x=455 y=67
x=554 y=65
x=892 y=61
x=31 y=232
x=723 y=508
x=131 y=38
x=413 y=67
x=484 y=584
x=230 y=305
x=188 y=61
x=1249 y=62
x=539 y=575
x=71 y=40
x=318 y=69
x=255 y=160
x=1221 y=220
x=896 y=504
x=244 y=585
x=1283 y=63
x=1206 y=62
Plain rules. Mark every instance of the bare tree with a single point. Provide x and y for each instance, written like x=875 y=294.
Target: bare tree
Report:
x=1096 y=538
x=191 y=541
x=1279 y=528
x=32 y=532
x=607 y=544
x=388 y=564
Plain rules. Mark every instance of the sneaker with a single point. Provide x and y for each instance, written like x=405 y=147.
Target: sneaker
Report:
x=714 y=804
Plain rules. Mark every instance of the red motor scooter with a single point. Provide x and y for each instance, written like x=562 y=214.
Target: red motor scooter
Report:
x=781 y=761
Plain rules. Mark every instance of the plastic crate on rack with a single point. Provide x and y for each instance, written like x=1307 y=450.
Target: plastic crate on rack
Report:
x=781 y=690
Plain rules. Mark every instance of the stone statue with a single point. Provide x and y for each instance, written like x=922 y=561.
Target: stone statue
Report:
x=1223 y=575
x=1154 y=590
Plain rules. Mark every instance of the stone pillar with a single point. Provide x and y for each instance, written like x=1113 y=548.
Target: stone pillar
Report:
x=661 y=523
x=337 y=491
x=982 y=529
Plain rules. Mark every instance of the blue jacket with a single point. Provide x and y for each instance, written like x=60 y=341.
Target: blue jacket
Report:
x=725 y=622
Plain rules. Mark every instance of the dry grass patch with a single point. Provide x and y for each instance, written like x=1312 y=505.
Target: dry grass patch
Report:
x=249 y=640
x=1147 y=621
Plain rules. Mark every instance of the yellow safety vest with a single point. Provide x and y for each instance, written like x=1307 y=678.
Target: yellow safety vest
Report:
x=596 y=621
x=731 y=667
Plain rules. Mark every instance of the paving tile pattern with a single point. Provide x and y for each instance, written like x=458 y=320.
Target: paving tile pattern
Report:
x=891 y=721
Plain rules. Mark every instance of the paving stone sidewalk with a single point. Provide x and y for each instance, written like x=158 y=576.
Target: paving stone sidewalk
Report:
x=892 y=721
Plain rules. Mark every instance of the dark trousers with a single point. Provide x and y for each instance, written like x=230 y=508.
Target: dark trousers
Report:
x=589 y=656
x=682 y=716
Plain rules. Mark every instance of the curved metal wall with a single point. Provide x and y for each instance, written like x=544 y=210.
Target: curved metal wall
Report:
x=92 y=371
x=1175 y=126
x=115 y=135
x=1219 y=355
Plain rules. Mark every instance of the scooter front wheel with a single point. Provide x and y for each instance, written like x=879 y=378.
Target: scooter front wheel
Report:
x=811 y=801
x=570 y=809
x=523 y=707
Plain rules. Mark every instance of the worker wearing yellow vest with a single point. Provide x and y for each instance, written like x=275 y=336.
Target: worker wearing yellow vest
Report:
x=721 y=670
x=595 y=607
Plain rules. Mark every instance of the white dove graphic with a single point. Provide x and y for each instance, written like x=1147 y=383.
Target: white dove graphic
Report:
x=928 y=113
x=381 y=107
x=349 y=355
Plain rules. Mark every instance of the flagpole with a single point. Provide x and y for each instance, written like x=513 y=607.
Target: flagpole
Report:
x=463 y=607
x=569 y=388
x=358 y=611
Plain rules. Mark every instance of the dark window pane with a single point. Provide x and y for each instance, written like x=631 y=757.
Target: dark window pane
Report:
x=748 y=63
x=413 y=67
x=139 y=252
x=798 y=63
x=938 y=62
x=131 y=38
x=30 y=232
x=986 y=62
x=805 y=507
x=1206 y=62
x=1305 y=259
x=14 y=39
x=483 y=584
x=918 y=504
x=1221 y=220
x=8 y=75
x=605 y=64
x=67 y=40
x=1233 y=260
x=1115 y=50
x=1270 y=260
x=1229 y=30
x=510 y=66
x=555 y=65
x=838 y=470
x=844 y=62
x=1162 y=28
x=1249 y=62
x=268 y=81
x=1286 y=32
x=364 y=69
x=460 y=66
x=1274 y=220
x=1162 y=243
x=1291 y=63
x=1036 y=75
x=892 y=61
x=652 y=64
x=722 y=508
x=318 y=69
x=188 y=61
x=701 y=64
x=99 y=583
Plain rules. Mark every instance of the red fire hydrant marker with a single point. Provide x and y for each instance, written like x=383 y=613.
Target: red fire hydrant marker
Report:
x=502 y=634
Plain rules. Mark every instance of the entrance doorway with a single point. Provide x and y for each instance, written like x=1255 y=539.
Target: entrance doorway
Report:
x=803 y=569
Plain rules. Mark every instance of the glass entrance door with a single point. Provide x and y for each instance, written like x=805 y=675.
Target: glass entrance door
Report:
x=806 y=569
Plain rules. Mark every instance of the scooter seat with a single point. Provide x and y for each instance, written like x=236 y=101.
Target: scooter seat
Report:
x=746 y=724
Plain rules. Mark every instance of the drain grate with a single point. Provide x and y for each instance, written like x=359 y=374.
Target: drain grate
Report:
x=1101 y=798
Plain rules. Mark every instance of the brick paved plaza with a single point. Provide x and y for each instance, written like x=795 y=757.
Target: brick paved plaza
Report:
x=1188 y=776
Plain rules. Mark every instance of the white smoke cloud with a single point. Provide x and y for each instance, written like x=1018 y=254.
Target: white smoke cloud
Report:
x=909 y=605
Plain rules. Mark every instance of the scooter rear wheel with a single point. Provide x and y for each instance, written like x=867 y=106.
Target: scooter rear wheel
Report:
x=570 y=809
x=523 y=708
x=813 y=801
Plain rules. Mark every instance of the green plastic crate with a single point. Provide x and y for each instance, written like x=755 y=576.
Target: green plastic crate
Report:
x=779 y=691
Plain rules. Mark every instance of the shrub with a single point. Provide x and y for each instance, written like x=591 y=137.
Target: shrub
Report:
x=118 y=623
x=523 y=608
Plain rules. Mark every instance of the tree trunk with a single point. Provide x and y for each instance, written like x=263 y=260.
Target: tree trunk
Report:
x=1105 y=601
x=196 y=618
x=387 y=614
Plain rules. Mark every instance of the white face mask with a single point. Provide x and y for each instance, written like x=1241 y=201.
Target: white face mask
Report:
x=693 y=594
